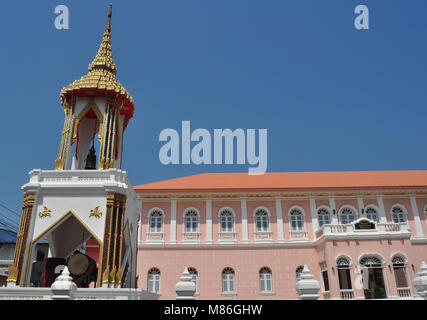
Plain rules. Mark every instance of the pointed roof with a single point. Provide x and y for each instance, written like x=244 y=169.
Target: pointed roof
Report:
x=290 y=181
x=101 y=77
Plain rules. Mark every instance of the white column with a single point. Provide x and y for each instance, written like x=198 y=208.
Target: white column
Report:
x=139 y=230
x=245 y=237
x=280 y=234
x=334 y=219
x=417 y=220
x=383 y=218
x=360 y=204
x=173 y=222
x=208 y=221
x=314 y=220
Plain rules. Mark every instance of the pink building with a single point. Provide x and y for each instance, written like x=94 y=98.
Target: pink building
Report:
x=361 y=234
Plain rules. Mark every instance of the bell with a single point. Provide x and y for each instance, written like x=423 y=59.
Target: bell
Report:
x=91 y=159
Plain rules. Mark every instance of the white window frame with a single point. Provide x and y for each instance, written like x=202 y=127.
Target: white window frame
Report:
x=153 y=278
x=150 y=216
x=221 y=216
x=352 y=209
x=267 y=217
x=399 y=215
x=377 y=212
x=320 y=217
x=265 y=279
x=197 y=217
x=229 y=280
x=294 y=217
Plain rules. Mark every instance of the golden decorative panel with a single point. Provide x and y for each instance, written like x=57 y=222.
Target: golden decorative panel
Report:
x=45 y=213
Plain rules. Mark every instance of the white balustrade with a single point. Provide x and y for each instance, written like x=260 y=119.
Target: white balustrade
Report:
x=347 y=294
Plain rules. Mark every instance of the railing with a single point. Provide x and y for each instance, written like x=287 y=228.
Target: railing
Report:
x=328 y=229
x=404 y=292
x=191 y=236
x=347 y=294
x=227 y=236
x=392 y=227
x=298 y=235
x=263 y=235
x=155 y=236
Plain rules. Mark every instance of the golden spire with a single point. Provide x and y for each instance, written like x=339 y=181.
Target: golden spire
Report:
x=102 y=71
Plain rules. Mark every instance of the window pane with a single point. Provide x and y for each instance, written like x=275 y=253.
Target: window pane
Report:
x=400 y=276
x=344 y=278
x=325 y=280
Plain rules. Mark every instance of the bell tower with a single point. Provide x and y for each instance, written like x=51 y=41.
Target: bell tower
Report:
x=96 y=106
x=85 y=208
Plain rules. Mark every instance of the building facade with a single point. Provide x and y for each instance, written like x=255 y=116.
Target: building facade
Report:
x=361 y=234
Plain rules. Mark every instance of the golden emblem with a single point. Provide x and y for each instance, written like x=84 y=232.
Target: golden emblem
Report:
x=95 y=212
x=45 y=213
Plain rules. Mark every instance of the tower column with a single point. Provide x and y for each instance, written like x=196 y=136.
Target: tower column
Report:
x=112 y=253
x=61 y=163
x=15 y=269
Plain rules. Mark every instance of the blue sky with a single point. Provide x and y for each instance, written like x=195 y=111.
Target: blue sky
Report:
x=332 y=97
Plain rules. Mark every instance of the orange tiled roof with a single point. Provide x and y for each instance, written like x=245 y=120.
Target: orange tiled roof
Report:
x=292 y=180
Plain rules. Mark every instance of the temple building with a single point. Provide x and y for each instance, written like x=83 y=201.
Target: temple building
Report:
x=85 y=209
x=361 y=234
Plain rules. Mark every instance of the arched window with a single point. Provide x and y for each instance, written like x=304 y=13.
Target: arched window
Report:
x=371 y=213
x=298 y=272
x=228 y=280
x=191 y=220
x=194 y=276
x=156 y=221
x=370 y=261
x=398 y=214
x=154 y=280
x=226 y=220
x=347 y=216
x=323 y=216
x=344 y=276
x=400 y=274
x=297 y=220
x=265 y=279
x=262 y=220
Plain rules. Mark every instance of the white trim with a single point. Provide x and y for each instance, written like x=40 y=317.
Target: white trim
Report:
x=313 y=212
x=185 y=211
x=226 y=208
x=262 y=208
x=343 y=255
x=244 y=210
x=209 y=221
x=173 y=222
x=376 y=255
x=153 y=209
x=279 y=217
x=349 y=206
x=383 y=217
x=398 y=254
x=298 y=208
x=361 y=207
x=332 y=205
x=416 y=215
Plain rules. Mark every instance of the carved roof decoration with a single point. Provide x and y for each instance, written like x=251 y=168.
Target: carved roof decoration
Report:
x=101 y=77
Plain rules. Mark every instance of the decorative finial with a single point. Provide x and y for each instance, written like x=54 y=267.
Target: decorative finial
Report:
x=109 y=18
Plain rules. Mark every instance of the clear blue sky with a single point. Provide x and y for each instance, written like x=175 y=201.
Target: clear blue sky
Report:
x=332 y=97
